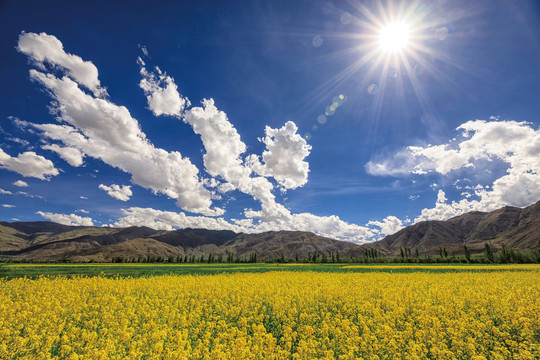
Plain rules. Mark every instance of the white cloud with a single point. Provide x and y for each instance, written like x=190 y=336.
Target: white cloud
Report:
x=5 y=192
x=19 y=141
x=143 y=49
x=118 y=192
x=223 y=157
x=284 y=156
x=226 y=187
x=83 y=197
x=8 y=205
x=28 y=164
x=96 y=127
x=516 y=144
x=221 y=141
x=168 y=220
x=43 y=48
x=24 y=193
x=82 y=211
x=20 y=183
x=444 y=211
x=103 y=130
x=330 y=226
x=70 y=154
x=388 y=225
x=70 y=219
x=161 y=91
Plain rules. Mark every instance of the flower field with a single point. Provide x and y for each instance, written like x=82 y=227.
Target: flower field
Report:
x=274 y=315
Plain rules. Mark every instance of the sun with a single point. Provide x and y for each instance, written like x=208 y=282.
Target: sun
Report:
x=396 y=50
x=394 y=37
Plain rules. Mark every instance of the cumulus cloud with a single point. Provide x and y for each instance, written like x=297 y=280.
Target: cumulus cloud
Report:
x=444 y=210
x=330 y=226
x=28 y=164
x=220 y=139
x=91 y=125
x=5 y=192
x=284 y=156
x=226 y=187
x=224 y=150
x=69 y=219
x=223 y=158
x=70 y=154
x=515 y=144
x=118 y=192
x=168 y=220
x=101 y=129
x=43 y=48
x=20 y=183
x=8 y=205
x=388 y=225
x=161 y=91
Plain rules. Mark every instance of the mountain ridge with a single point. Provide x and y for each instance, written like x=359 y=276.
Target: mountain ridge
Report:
x=517 y=228
x=142 y=242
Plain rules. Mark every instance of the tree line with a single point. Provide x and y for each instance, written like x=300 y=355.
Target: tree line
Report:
x=370 y=255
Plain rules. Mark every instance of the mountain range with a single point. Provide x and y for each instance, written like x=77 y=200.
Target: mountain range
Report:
x=515 y=227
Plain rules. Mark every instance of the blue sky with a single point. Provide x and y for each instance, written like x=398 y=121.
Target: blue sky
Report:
x=268 y=115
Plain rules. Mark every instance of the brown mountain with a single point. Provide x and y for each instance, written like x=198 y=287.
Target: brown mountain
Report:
x=50 y=241
x=514 y=227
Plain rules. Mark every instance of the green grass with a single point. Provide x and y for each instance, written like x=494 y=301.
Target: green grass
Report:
x=10 y=270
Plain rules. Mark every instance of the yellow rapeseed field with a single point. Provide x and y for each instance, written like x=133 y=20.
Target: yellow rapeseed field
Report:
x=279 y=315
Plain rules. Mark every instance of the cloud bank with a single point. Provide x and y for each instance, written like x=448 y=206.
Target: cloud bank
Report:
x=91 y=125
x=70 y=219
x=515 y=144
x=103 y=130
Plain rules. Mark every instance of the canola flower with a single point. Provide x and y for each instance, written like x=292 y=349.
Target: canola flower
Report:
x=279 y=315
x=467 y=267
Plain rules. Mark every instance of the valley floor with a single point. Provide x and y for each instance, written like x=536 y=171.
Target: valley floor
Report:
x=340 y=312
x=34 y=270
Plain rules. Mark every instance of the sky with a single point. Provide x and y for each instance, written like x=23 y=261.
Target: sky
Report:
x=350 y=119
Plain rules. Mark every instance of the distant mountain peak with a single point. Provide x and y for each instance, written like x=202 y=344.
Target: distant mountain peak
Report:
x=515 y=227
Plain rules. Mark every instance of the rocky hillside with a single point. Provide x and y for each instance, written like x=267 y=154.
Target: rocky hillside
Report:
x=50 y=241
x=515 y=227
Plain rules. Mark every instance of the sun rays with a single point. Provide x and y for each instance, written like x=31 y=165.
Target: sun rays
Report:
x=397 y=45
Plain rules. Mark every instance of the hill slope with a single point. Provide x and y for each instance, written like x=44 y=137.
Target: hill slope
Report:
x=516 y=228
x=49 y=241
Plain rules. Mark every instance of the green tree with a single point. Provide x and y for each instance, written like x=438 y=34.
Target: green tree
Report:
x=467 y=253
x=489 y=252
